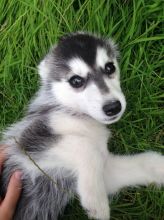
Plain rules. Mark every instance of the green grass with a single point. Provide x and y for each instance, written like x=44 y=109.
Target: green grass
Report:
x=29 y=28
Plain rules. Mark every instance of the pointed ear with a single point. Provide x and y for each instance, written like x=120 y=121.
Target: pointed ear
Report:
x=114 y=47
x=43 y=70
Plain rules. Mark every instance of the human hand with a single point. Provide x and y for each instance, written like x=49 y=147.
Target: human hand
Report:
x=8 y=204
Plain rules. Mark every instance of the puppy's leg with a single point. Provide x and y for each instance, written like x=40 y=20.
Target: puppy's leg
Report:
x=91 y=188
x=132 y=170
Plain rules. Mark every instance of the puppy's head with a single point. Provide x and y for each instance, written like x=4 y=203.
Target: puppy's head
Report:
x=83 y=75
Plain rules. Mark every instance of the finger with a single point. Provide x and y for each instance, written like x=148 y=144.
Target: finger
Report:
x=2 y=159
x=13 y=193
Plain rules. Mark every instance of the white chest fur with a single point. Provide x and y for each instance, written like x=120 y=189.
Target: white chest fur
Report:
x=81 y=140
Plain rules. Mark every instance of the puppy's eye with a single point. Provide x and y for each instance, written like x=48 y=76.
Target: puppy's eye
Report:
x=76 y=81
x=109 y=68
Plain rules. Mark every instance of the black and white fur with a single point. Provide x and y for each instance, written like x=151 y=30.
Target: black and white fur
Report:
x=64 y=132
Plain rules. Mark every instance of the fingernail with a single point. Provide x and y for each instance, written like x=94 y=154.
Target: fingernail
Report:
x=18 y=175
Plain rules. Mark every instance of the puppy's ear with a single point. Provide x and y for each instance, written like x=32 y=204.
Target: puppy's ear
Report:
x=114 y=47
x=46 y=65
x=43 y=69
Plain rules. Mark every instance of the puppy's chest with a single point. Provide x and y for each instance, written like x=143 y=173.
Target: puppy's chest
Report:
x=73 y=150
x=78 y=139
x=76 y=129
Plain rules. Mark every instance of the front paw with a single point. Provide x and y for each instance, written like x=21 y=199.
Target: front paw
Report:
x=155 y=167
x=96 y=208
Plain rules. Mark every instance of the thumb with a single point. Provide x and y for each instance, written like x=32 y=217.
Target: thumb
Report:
x=13 y=193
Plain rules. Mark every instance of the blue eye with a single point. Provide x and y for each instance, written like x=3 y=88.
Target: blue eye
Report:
x=76 y=81
x=109 y=68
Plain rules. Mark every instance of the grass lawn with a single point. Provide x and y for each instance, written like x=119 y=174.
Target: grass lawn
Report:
x=29 y=27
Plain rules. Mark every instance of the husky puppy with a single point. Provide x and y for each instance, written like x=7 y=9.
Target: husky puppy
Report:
x=64 y=132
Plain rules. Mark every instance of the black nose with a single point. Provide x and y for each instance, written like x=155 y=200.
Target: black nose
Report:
x=112 y=108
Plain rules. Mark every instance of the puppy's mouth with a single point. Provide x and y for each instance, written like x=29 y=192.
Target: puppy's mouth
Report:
x=111 y=120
